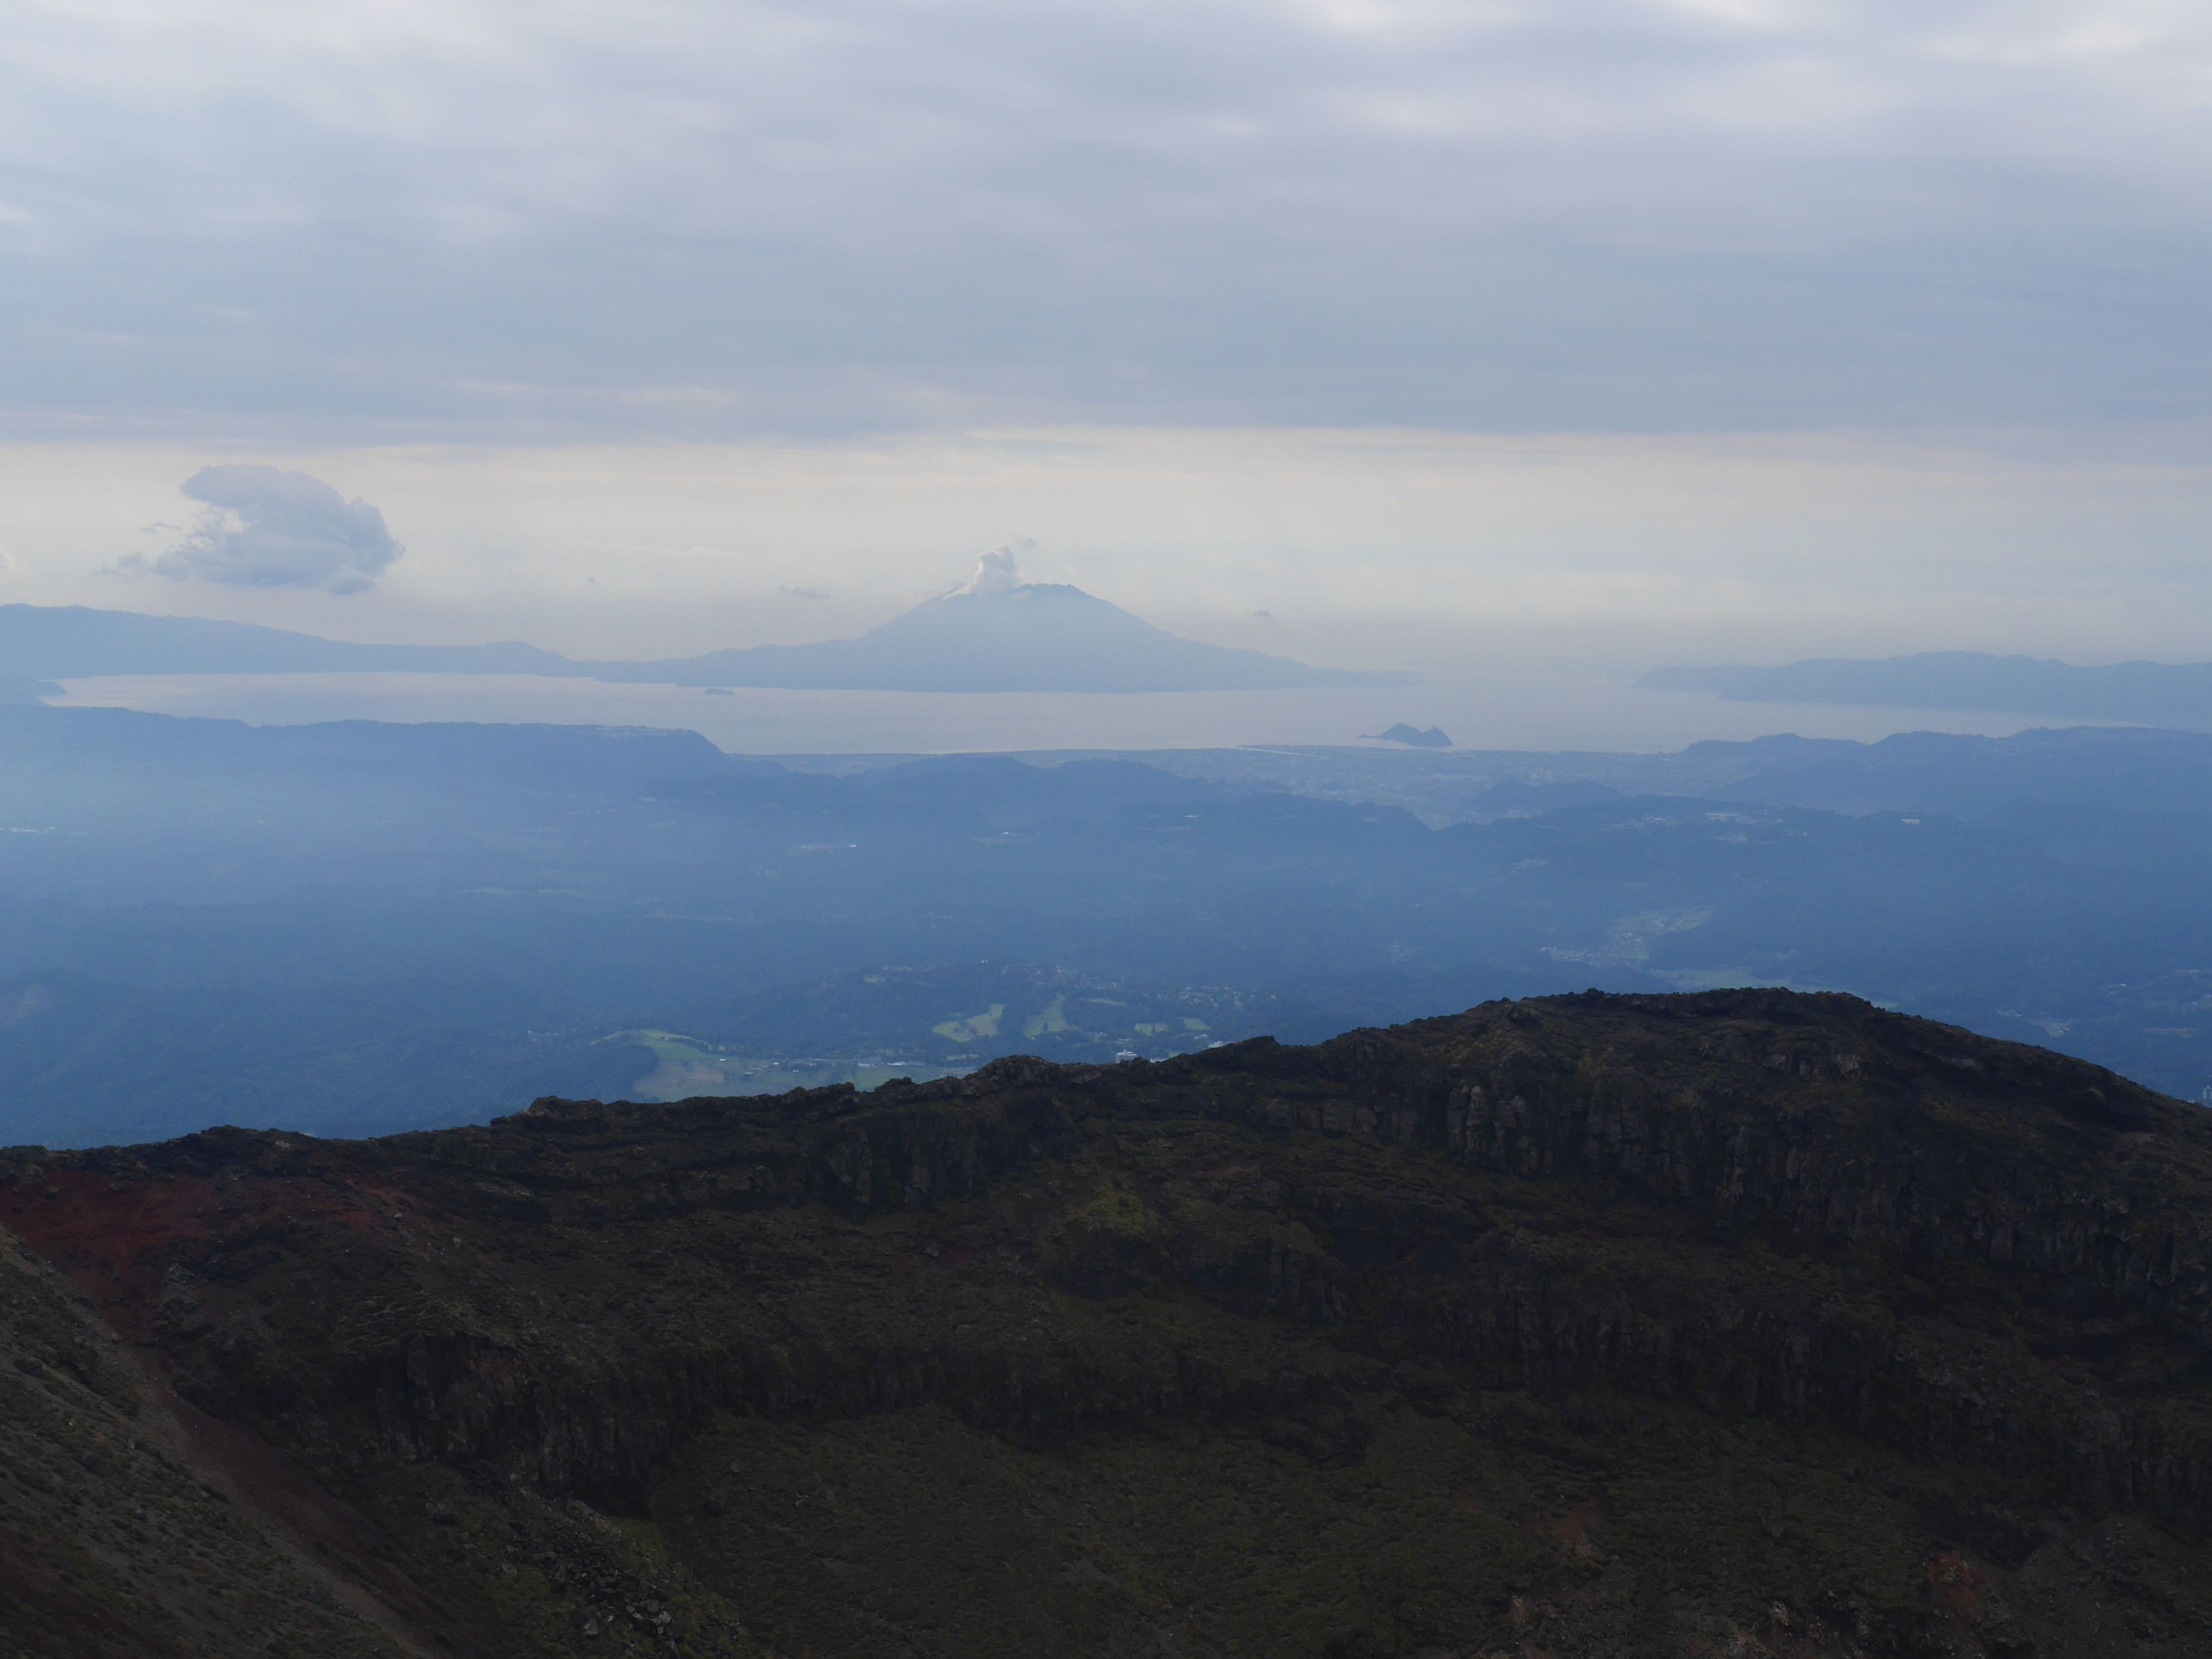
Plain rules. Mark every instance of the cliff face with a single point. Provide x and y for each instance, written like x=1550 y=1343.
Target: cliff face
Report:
x=1741 y=1322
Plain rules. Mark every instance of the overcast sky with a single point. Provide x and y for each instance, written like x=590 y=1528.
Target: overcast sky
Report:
x=1707 y=250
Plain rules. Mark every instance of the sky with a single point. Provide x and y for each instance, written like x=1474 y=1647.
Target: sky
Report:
x=1620 y=330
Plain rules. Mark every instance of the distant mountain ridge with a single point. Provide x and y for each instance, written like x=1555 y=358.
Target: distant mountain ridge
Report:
x=75 y=641
x=363 y=924
x=998 y=633
x=2140 y=693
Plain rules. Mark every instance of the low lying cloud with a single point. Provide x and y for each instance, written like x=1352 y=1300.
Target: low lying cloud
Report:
x=266 y=526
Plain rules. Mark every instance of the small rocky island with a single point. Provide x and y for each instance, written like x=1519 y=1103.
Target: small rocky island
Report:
x=1413 y=737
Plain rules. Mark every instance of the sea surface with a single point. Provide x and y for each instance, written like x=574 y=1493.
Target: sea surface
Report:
x=1488 y=709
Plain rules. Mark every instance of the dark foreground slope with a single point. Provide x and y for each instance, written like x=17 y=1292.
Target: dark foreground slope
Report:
x=1738 y=1323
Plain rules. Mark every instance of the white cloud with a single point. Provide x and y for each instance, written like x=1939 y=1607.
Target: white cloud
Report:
x=266 y=526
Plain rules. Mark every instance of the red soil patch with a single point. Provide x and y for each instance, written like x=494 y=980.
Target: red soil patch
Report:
x=112 y=1238
x=115 y=1239
x=1959 y=1585
x=1573 y=1530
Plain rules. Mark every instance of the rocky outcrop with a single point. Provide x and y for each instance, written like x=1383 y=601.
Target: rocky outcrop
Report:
x=1873 y=1236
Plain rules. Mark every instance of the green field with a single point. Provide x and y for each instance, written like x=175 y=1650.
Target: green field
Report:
x=688 y=1067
